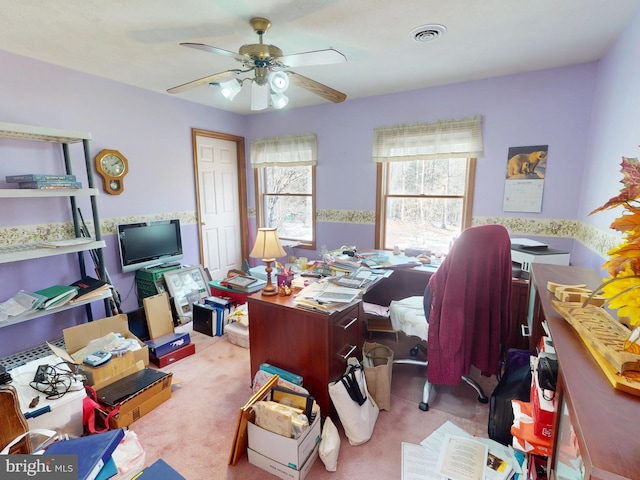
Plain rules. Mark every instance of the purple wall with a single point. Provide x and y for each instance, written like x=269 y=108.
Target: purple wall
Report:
x=552 y=107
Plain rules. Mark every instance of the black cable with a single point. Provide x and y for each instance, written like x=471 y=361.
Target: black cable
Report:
x=53 y=381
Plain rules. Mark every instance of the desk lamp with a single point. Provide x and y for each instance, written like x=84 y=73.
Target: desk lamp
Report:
x=268 y=248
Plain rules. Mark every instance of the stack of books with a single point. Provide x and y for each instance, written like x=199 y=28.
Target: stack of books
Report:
x=42 y=181
x=56 y=296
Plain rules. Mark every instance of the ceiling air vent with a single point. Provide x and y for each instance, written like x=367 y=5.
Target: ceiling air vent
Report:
x=427 y=33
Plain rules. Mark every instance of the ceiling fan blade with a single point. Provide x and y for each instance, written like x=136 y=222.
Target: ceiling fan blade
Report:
x=210 y=49
x=259 y=96
x=203 y=80
x=317 y=57
x=318 y=88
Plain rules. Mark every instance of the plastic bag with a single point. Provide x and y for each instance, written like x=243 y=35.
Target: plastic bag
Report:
x=129 y=457
x=329 y=445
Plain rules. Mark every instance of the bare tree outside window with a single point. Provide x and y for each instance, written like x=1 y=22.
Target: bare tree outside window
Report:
x=287 y=201
x=423 y=203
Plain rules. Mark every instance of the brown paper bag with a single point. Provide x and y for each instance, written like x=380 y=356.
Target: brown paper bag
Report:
x=377 y=361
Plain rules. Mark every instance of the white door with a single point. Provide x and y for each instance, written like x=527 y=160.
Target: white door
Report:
x=218 y=204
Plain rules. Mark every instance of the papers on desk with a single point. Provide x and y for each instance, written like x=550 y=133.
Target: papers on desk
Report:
x=326 y=297
x=435 y=457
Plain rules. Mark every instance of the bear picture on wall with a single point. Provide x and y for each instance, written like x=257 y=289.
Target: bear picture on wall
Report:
x=524 y=183
x=527 y=162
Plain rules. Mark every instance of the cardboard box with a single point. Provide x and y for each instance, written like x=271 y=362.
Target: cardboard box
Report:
x=288 y=452
x=157 y=309
x=166 y=344
x=79 y=336
x=142 y=402
x=238 y=334
x=174 y=356
x=542 y=410
x=279 y=470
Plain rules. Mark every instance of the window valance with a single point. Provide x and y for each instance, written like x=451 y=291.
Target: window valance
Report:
x=458 y=138
x=284 y=151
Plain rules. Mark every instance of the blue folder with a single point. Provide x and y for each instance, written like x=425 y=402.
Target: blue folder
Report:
x=93 y=451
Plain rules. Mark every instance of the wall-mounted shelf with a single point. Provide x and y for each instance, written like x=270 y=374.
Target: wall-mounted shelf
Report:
x=41 y=313
x=31 y=252
x=28 y=193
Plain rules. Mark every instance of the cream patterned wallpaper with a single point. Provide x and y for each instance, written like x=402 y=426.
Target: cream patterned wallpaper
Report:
x=595 y=239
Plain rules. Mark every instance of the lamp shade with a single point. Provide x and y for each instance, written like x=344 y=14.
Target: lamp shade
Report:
x=279 y=100
x=278 y=82
x=267 y=245
x=230 y=88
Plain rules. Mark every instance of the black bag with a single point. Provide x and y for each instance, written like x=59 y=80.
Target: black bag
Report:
x=514 y=385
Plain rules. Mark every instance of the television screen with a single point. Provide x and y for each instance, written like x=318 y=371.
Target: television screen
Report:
x=148 y=244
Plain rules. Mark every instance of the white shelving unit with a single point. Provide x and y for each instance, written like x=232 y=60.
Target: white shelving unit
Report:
x=30 y=252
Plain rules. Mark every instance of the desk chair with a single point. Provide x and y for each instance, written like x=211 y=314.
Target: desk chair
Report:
x=465 y=313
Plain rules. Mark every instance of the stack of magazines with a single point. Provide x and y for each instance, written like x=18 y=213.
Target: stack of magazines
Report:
x=42 y=181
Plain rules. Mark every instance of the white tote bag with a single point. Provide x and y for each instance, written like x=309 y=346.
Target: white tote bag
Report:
x=357 y=409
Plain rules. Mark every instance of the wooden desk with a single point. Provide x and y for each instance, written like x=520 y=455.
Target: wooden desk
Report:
x=408 y=282
x=312 y=344
x=605 y=420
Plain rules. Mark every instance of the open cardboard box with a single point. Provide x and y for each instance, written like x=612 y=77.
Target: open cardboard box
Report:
x=136 y=405
x=79 y=336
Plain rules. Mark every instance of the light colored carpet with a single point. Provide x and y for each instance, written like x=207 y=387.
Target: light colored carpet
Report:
x=193 y=431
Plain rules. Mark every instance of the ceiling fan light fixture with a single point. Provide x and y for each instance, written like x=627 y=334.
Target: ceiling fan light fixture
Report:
x=279 y=100
x=278 y=82
x=230 y=88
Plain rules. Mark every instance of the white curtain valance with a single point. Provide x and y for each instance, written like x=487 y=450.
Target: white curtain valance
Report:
x=285 y=151
x=460 y=138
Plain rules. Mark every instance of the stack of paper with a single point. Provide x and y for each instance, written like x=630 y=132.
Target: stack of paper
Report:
x=450 y=452
x=89 y=287
x=326 y=297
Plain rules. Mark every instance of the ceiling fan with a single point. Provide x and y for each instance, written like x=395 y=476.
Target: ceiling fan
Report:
x=270 y=69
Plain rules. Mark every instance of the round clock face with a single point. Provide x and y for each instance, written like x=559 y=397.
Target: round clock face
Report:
x=112 y=165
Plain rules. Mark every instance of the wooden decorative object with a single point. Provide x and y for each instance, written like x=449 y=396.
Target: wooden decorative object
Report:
x=604 y=337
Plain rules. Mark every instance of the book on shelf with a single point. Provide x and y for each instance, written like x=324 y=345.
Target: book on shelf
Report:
x=39 y=177
x=65 y=242
x=89 y=287
x=50 y=185
x=57 y=295
x=93 y=451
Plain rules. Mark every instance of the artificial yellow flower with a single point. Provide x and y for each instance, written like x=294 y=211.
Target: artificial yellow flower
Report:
x=622 y=289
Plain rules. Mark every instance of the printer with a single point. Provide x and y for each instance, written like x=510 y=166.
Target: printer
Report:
x=525 y=251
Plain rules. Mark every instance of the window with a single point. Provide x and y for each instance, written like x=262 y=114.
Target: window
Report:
x=284 y=170
x=425 y=182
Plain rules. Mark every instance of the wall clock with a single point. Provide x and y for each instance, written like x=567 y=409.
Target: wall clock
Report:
x=112 y=166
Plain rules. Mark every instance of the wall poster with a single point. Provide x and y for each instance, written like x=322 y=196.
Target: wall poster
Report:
x=526 y=167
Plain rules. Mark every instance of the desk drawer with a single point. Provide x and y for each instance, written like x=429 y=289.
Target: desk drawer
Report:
x=344 y=340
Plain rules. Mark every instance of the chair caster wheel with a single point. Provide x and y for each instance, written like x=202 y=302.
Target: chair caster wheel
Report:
x=424 y=406
x=413 y=352
x=483 y=399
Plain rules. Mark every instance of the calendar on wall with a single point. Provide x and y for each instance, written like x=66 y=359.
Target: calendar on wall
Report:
x=524 y=182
